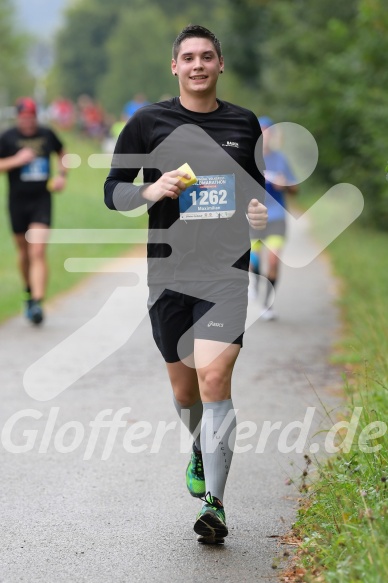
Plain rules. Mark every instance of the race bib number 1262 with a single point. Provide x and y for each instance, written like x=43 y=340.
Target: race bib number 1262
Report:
x=212 y=197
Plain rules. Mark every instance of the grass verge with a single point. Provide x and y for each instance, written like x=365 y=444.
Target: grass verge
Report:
x=80 y=206
x=343 y=519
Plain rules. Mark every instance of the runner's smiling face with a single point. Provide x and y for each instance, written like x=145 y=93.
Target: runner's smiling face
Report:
x=27 y=124
x=197 y=66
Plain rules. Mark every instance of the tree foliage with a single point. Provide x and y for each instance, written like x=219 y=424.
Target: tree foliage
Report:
x=248 y=22
x=327 y=73
x=14 y=79
x=135 y=65
x=104 y=45
x=321 y=64
x=81 y=46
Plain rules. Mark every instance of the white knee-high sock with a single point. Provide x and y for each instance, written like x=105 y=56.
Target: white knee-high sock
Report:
x=191 y=420
x=218 y=424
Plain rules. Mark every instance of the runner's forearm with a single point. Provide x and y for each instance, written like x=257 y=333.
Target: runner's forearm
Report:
x=122 y=196
x=7 y=164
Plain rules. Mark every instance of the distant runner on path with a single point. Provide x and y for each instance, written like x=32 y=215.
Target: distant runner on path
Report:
x=279 y=182
x=25 y=152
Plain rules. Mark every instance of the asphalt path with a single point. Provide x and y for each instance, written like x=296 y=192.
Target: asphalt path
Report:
x=81 y=504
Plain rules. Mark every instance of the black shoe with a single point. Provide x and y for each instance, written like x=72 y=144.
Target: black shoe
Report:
x=209 y=540
x=27 y=307
x=35 y=313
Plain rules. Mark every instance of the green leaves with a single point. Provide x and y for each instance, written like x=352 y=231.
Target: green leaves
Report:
x=321 y=64
x=14 y=78
x=329 y=75
x=136 y=65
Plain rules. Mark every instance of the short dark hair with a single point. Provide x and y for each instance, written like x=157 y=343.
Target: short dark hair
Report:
x=195 y=31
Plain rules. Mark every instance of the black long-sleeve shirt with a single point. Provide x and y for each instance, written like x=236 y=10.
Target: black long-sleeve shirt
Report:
x=160 y=138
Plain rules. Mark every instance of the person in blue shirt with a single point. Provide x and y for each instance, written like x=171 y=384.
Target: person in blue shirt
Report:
x=279 y=181
x=139 y=100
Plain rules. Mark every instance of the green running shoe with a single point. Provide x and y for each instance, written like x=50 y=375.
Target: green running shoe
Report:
x=195 y=477
x=210 y=523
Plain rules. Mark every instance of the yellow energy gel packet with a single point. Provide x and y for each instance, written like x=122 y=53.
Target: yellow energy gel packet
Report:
x=185 y=168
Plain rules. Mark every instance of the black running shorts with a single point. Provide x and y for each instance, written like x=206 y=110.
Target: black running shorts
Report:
x=272 y=228
x=178 y=318
x=26 y=210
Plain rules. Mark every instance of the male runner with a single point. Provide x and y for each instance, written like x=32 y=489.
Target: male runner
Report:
x=279 y=181
x=198 y=250
x=25 y=155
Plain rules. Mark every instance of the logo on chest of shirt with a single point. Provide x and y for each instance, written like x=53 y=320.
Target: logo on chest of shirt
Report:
x=36 y=144
x=230 y=144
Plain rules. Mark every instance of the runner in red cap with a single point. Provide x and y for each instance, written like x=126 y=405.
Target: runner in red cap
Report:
x=25 y=152
x=25 y=106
